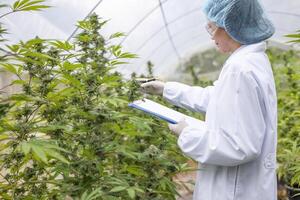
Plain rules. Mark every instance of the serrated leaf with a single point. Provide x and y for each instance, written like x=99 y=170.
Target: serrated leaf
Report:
x=116 y=35
x=17 y=3
x=9 y=67
x=20 y=97
x=116 y=50
x=136 y=170
x=14 y=48
x=84 y=38
x=34 y=41
x=4 y=146
x=56 y=155
x=39 y=153
x=25 y=148
x=294 y=41
x=131 y=193
x=4 y=137
x=18 y=82
x=35 y=8
x=72 y=80
x=42 y=149
x=70 y=66
x=38 y=55
x=85 y=25
x=63 y=45
x=116 y=62
x=127 y=55
x=118 y=189
x=28 y=5
x=91 y=196
x=293 y=35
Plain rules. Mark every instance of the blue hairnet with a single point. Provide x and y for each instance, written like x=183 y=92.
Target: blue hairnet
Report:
x=243 y=20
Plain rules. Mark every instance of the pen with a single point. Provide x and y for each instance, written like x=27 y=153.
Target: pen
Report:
x=144 y=80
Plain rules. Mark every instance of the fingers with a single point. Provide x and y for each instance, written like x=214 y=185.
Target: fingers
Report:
x=182 y=120
x=172 y=127
x=147 y=85
x=177 y=128
x=153 y=87
x=148 y=88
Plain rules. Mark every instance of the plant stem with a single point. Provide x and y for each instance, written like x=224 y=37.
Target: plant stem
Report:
x=292 y=188
x=9 y=138
x=51 y=182
x=6 y=86
x=28 y=116
x=7 y=53
x=5 y=14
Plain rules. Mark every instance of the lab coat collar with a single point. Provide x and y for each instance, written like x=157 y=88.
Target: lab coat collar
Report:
x=244 y=49
x=240 y=52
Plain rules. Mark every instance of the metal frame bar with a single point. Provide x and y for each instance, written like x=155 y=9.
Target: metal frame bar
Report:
x=163 y=27
x=283 y=13
x=166 y=25
x=141 y=21
x=168 y=30
x=91 y=11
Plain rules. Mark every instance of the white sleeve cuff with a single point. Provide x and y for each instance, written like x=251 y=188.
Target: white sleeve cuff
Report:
x=190 y=136
x=172 y=90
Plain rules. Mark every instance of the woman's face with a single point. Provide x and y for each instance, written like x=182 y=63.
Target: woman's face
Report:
x=224 y=43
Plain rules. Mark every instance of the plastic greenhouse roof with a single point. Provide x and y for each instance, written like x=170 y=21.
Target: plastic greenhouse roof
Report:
x=163 y=31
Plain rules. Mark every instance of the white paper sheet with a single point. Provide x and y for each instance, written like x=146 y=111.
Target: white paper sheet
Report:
x=163 y=112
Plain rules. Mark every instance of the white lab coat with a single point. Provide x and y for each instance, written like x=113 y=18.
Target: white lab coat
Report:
x=236 y=146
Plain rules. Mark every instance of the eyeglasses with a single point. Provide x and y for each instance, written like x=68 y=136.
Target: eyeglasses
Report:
x=211 y=28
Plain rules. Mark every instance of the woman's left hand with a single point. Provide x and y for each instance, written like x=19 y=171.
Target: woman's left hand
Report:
x=177 y=128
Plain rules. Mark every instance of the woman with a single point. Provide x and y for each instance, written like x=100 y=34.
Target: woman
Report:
x=236 y=146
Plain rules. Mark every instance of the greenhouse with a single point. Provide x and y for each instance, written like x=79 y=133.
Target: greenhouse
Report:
x=151 y=100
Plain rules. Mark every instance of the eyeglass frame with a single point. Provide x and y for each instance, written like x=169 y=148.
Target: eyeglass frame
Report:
x=208 y=28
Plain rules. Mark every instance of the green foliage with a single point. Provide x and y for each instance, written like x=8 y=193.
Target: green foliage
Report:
x=91 y=196
x=29 y=5
x=68 y=131
x=22 y=5
x=286 y=66
x=202 y=67
x=2 y=32
x=42 y=150
x=295 y=37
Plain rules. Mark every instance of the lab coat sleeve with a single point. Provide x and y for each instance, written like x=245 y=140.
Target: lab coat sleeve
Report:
x=235 y=134
x=190 y=97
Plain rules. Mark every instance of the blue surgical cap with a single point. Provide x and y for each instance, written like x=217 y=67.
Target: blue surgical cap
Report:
x=244 y=20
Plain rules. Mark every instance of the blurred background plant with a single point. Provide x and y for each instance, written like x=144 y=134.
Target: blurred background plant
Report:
x=287 y=74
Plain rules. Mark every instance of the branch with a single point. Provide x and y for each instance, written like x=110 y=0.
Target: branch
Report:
x=32 y=114
x=6 y=86
x=7 y=53
x=50 y=182
x=292 y=188
x=5 y=178
x=8 y=13
x=9 y=138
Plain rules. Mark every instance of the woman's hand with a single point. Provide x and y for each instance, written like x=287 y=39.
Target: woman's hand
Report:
x=177 y=128
x=153 y=87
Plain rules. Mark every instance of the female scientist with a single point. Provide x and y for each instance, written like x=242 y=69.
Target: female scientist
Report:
x=236 y=146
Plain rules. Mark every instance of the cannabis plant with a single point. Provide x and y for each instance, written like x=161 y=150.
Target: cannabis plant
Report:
x=66 y=130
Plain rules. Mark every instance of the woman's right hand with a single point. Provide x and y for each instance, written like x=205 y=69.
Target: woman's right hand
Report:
x=153 y=87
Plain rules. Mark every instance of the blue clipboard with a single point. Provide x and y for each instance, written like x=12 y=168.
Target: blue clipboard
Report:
x=162 y=112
